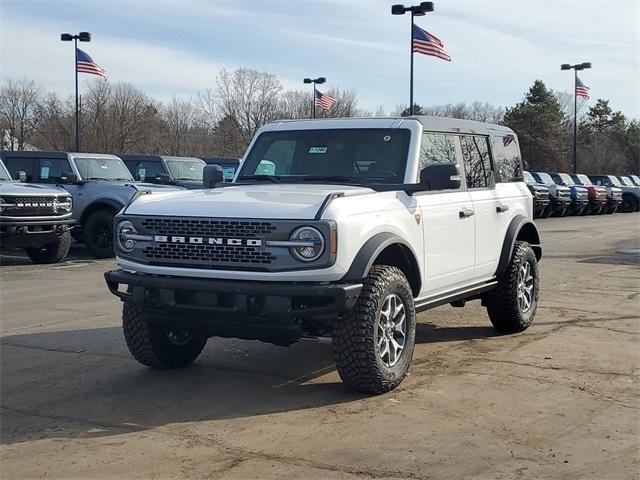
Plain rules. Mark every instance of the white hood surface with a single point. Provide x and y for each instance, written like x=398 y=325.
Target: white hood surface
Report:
x=291 y=201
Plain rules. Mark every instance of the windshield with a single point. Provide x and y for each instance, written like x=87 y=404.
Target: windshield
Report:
x=626 y=181
x=545 y=178
x=635 y=180
x=528 y=178
x=566 y=179
x=102 y=169
x=186 y=170
x=4 y=174
x=372 y=155
x=614 y=181
x=584 y=180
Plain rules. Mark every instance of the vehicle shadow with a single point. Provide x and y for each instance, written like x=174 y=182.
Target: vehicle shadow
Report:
x=84 y=382
x=17 y=257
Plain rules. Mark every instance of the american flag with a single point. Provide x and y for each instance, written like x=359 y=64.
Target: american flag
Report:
x=428 y=44
x=581 y=89
x=324 y=101
x=85 y=64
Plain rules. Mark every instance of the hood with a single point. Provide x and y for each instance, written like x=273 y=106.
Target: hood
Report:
x=293 y=201
x=19 y=188
x=138 y=185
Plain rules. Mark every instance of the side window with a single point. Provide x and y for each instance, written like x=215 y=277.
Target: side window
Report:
x=437 y=148
x=51 y=170
x=477 y=161
x=507 y=158
x=15 y=165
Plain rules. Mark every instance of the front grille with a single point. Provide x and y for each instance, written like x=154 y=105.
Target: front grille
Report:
x=208 y=228
x=207 y=255
x=542 y=194
x=31 y=206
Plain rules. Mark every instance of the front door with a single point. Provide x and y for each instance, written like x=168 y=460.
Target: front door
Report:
x=447 y=222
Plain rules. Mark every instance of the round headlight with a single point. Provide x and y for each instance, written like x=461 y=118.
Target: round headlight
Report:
x=311 y=244
x=65 y=204
x=123 y=230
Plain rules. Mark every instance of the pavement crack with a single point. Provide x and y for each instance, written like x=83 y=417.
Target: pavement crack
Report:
x=567 y=369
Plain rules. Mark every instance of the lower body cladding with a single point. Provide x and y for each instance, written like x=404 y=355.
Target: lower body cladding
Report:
x=274 y=312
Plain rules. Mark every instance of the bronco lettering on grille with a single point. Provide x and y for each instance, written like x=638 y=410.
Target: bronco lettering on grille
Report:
x=236 y=242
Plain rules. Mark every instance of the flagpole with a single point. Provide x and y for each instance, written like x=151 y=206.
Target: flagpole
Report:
x=313 y=101
x=77 y=111
x=411 y=75
x=575 y=122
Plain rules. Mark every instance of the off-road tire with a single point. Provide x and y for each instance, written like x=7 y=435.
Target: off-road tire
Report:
x=150 y=345
x=98 y=234
x=355 y=336
x=502 y=302
x=52 y=252
x=629 y=203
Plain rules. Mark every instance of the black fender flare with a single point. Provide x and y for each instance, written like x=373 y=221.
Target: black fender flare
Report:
x=372 y=248
x=515 y=227
x=100 y=204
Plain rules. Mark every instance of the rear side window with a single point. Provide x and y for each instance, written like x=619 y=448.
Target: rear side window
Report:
x=52 y=169
x=507 y=158
x=15 y=165
x=477 y=161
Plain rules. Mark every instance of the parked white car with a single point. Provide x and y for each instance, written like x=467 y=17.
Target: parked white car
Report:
x=347 y=227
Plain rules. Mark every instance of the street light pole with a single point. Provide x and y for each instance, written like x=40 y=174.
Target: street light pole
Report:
x=416 y=11
x=575 y=68
x=83 y=37
x=319 y=81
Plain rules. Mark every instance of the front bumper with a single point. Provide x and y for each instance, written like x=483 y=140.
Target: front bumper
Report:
x=233 y=300
x=21 y=232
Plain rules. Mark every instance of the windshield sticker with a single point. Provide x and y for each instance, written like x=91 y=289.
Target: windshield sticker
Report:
x=318 y=150
x=104 y=167
x=44 y=173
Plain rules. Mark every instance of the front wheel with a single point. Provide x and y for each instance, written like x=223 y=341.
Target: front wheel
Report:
x=156 y=345
x=52 y=252
x=512 y=304
x=98 y=234
x=373 y=345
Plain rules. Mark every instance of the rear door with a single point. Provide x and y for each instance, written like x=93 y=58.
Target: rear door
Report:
x=447 y=221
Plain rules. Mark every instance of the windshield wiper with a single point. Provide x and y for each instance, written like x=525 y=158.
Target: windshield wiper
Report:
x=268 y=178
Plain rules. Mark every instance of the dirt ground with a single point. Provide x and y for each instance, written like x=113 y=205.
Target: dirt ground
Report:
x=560 y=400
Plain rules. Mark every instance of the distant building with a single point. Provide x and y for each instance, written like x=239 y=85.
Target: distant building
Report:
x=6 y=142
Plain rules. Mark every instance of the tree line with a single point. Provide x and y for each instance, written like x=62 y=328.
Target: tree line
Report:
x=220 y=121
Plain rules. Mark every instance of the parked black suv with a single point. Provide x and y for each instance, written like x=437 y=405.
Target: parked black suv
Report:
x=35 y=218
x=161 y=169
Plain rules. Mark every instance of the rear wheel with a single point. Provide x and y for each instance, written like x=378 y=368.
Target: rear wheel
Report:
x=52 y=252
x=373 y=346
x=512 y=304
x=154 y=344
x=98 y=234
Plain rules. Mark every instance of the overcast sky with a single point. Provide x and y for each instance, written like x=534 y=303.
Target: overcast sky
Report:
x=176 y=47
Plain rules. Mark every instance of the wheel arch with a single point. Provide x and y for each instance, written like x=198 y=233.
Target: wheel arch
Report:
x=386 y=249
x=521 y=228
x=102 y=204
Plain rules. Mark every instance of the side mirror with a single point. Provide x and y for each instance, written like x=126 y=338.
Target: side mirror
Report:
x=212 y=174
x=445 y=176
x=22 y=175
x=69 y=177
x=162 y=178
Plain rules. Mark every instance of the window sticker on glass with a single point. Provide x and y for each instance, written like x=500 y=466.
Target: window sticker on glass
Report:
x=44 y=173
x=104 y=167
x=142 y=172
x=318 y=150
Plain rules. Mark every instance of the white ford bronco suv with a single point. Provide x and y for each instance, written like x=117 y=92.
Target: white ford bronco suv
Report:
x=342 y=227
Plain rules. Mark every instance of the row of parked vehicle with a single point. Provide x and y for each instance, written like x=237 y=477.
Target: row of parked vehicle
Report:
x=47 y=198
x=562 y=194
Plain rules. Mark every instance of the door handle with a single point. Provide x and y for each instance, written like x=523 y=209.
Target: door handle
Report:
x=466 y=212
x=502 y=208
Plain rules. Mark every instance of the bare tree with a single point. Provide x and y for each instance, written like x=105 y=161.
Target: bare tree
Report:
x=181 y=118
x=18 y=106
x=295 y=104
x=55 y=123
x=251 y=97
